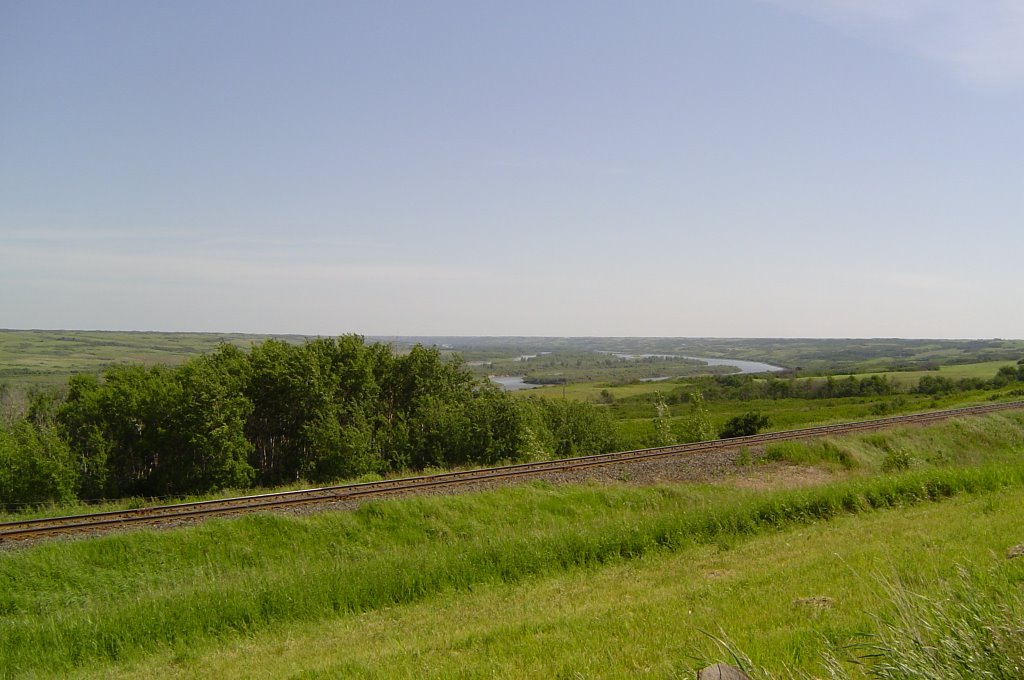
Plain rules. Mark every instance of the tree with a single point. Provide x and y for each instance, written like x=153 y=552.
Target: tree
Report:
x=120 y=427
x=573 y=428
x=1006 y=375
x=663 y=435
x=932 y=384
x=205 y=447
x=36 y=466
x=749 y=423
x=698 y=424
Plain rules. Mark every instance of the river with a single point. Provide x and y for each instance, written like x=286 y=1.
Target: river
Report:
x=511 y=383
x=742 y=364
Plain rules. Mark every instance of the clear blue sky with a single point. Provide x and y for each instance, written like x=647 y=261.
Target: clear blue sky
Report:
x=818 y=168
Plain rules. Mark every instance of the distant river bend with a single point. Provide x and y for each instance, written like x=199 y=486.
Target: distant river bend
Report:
x=512 y=383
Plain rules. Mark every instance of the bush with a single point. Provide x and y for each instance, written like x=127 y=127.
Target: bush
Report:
x=896 y=459
x=749 y=423
x=36 y=466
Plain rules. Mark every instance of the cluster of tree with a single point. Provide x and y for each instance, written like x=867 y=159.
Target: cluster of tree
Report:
x=751 y=387
x=937 y=384
x=324 y=410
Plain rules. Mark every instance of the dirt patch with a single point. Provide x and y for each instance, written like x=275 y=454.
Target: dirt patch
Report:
x=780 y=476
x=817 y=602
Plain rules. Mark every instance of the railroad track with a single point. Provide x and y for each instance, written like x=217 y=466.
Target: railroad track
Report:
x=184 y=512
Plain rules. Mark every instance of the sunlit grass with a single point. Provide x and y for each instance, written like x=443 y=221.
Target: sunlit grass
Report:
x=786 y=598
x=123 y=595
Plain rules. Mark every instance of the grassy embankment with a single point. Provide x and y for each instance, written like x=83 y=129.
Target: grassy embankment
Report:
x=535 y=581
x=633 y=420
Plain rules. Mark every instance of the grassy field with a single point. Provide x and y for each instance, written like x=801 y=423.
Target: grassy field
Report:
x=48 y=357
x=449 y=586
x=983 y=370
x=784 y=600
x=786 y=414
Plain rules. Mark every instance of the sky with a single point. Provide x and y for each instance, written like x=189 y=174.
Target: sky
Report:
x=728 y=168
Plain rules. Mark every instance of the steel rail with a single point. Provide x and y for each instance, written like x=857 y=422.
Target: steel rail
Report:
x=52 y=526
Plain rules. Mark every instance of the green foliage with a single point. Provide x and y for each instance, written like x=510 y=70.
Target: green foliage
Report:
x=663 y=435
x=1007 y=375
x=896 y=459
x=889 y=406
x=327 y=409
x=207 y=448
x=745 y=425
x=572 y=428
x=697 y=424
x=36 y=466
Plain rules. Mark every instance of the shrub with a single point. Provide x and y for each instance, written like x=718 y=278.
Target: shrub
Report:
x=749 y=423
x=36 y=466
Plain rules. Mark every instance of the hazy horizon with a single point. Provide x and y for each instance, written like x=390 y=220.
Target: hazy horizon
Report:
x=509 y=336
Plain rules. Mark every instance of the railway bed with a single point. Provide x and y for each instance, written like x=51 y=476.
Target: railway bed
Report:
x=158 y=515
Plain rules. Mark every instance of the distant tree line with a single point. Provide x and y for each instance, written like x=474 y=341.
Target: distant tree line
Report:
x=324 y=410
x=937 y=384
x=751 y=387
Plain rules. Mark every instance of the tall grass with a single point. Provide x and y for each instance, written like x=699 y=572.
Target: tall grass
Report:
x=976 y=631
x=992 y=438
x=66 y=604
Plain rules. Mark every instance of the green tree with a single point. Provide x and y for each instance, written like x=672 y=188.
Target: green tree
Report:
x=749 y=423
x=697 y=424
x=574 y=428
x=663 y=435
x=119 y=426
x=1006 y=375
x=36 y=466
x=499 y=429
x=205 y=447
x=935 y=384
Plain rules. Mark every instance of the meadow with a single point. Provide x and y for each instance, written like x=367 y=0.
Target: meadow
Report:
x=785 y=600
x=532 y=581
x=44 y=357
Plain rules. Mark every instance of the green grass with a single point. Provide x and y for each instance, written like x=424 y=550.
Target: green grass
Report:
x=961 y=441
x=90 y=605
x=121 y=597
x=82 y=507
x=39 y=357
x=787 y=414
x=786 y=595
x=984 y=370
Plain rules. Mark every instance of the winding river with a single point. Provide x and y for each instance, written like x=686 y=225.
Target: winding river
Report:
x=511 y=383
